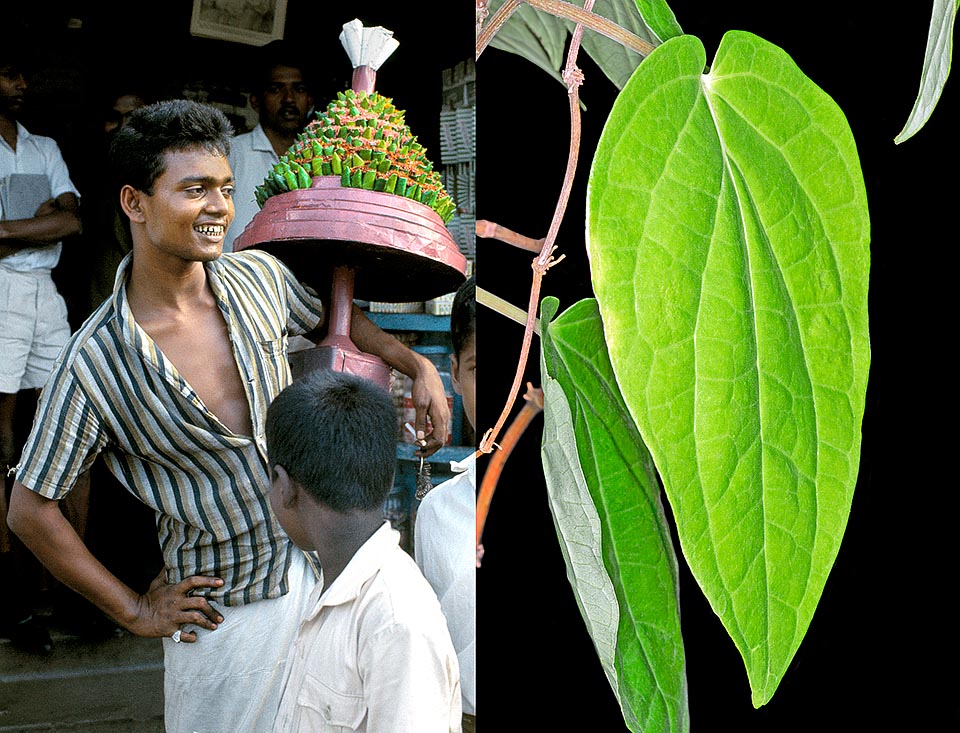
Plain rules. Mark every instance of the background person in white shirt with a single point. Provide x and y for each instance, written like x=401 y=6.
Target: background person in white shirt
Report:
x=445 y=531
x=283 y=100
x=373 y=652
x=33 y=315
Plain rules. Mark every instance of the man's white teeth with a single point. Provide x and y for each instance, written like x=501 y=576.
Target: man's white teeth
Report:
x=210 y=231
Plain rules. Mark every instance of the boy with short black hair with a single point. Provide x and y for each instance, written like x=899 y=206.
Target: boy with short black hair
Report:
x=373 y=652
x=445 y=528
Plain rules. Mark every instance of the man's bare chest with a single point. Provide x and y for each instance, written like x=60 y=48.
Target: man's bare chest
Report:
x=200 y=349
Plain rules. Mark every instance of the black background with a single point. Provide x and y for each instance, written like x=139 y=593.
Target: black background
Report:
x=881 y=651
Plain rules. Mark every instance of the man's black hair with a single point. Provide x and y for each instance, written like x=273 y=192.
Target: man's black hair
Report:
x=335 y=435
x=15 y=53
x=279 y=53
x=463 y=314
x=137 y=153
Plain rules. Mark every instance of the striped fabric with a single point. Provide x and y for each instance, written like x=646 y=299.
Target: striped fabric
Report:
x=113 y=391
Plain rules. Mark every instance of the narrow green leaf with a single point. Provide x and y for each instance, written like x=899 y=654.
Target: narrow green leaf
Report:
x=605 y=500
x=936 y=67
x=728 y=236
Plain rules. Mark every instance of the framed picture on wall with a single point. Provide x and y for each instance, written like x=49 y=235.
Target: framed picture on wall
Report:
x=254 y=22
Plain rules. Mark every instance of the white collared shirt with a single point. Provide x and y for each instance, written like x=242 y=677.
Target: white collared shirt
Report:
x=445 y=547
x=373 y=652
x=36 y=154
x=251 y=158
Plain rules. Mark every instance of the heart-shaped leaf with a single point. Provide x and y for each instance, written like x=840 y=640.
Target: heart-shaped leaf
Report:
x=728 y=236
x=605 y=499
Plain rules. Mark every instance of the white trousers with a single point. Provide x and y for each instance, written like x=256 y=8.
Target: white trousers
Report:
x=230 y=679
x=33 y=328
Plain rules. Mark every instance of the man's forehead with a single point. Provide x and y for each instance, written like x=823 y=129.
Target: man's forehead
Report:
x=285 y=74
x=196 y=161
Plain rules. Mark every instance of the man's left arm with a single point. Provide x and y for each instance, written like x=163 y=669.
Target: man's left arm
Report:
x=427 y=392
x=53 y=221
x=307 y=316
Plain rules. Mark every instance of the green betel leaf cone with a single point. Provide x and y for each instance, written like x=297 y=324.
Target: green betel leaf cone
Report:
x=363 y=139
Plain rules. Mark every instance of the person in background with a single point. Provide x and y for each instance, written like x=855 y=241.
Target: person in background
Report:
x=445 y=529
x=373 y=652
x=106 y=234
x=283 y=100
x=33 y=315
x=120 y=108
x=170 y=380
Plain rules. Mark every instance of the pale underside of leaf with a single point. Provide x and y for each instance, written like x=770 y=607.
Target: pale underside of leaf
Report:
x=538 y=37
x=542 y=38
x=729 y=244
x=936 y=67
x=616 y=543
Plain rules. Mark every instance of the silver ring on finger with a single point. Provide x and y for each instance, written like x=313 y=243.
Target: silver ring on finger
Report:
x=176 y=636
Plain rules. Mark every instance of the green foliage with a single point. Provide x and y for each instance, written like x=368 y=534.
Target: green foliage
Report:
x=541 y=38
x=659 y=18
x=936 y=66
x=729 y=242
x=605 y=500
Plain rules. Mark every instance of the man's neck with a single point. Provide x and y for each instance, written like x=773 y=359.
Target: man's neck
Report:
x=153 y=290
x=8 y=130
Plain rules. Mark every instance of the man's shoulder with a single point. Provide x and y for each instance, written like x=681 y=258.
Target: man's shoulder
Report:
x=99 y=329
x=245 y=137
x=455 y=492
x=402 y=591
x=43 y=143
x=250 y=260
x=89 y=347
x=250 y=141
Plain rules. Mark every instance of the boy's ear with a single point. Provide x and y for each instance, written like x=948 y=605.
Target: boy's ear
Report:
x=455 y=374
x=131 y=202
x=281 y=481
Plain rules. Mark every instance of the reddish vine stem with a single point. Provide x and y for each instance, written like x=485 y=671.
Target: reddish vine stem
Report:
x=492 y=230
x=503 y=13
x=573 y=78
x=532 y=408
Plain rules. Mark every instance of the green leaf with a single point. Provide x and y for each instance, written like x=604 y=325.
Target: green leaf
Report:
x=728 y=236
x=617 y=62
x=936 y=67
x=659 y=18
x=538 y=37
x=605 y=500
x=542 y=38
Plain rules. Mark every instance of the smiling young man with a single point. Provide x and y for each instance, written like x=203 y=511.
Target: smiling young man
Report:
x=170 y=380
x=283 y=101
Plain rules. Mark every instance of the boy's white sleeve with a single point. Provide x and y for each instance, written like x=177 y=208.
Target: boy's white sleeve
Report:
x=411 y=681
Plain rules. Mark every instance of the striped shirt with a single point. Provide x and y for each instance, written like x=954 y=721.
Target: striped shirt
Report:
x=113 y=392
